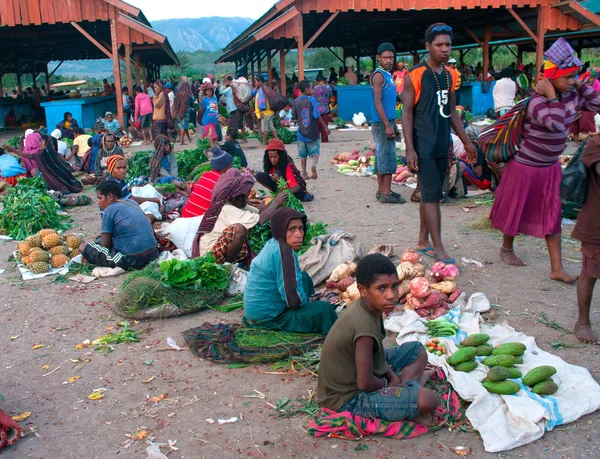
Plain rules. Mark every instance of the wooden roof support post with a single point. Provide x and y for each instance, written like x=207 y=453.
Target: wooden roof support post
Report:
x=269 y=69
x=541 y=31
x=144 y=76
x=259 y=64
x=522 y=24
x=252 y=71
x=128 y=70
x=321 y=29
x=116 y=66
x=283 y=83
x=487 y=34
x=300 y=40
x=136 y=63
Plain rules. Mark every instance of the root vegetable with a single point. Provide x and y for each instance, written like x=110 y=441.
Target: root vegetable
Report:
x=437 y=267
x=419 y=270
x=438 y=312
x=346 y=269
x=446 y=287
x=410 y=255
x=341 y=285
x=402 y=176
x=423 y=312
x=419 y=287
x=351 y=294
x=404 y=288
x=449 y=273
x=452 y=298
x=405 y=271
x=434 y=300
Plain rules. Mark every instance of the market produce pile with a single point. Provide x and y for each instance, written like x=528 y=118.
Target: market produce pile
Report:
x=48 y=249
x=125 y=141
x=355 y=162
x=404 y=175
x=284 y=134
x=27 y=209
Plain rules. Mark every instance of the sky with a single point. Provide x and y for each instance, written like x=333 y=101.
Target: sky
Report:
x=155 y=10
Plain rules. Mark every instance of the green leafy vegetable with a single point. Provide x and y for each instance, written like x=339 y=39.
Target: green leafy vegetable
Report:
x=15 y=141
x=339 y=122
x=201 y=272
x=139 y=165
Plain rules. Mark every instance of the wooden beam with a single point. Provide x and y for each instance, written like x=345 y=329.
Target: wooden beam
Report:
x=487 y=34
x=335 y=54
x=539 y=49
x=269 y=70
x=116 y=66
x=128 y=69
x=321 y=29
x=300 y=39
x=522 y=23
x=136 y=63
x=593 y=18
x=474 y=37
x=92 y=39
x=55 y=69
x=283 y=82
x=511 y=51
x=291 y=47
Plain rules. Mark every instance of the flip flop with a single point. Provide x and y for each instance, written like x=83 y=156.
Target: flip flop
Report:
x=449 y=261
x=427 y=251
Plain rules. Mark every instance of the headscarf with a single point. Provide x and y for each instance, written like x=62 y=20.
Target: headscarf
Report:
x=182 y=100
x=32 y=142
x=284 y=160
x=28 y=132
x=112 y=161
x=560 y=60
x=159 y=145
x=231 y=184
x=279 y=222
x=167 y=105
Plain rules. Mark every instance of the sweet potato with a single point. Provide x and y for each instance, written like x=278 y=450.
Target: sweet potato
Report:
x=423 y=312
x=405 y=271
x=419 y=287
x=346 y=282
x=454 y=296
x=419 y=270
x=404 y=288
x=437 y=313
x=410 y=256
x=336 y=156
x=446 y=287
x=437 y=267
x=434 y=300
x=449 y=272
x=346 y=269
x=402 y=176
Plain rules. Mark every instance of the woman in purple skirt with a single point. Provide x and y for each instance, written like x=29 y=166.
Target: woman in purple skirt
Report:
x=528 y=198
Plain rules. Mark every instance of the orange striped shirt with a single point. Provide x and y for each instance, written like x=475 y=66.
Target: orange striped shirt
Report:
x=201 y=195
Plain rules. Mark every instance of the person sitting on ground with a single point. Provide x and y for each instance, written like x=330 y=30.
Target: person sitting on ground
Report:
x=586 y=230
x=67 y=126
x=112 y=125
x=233 y=147
x=227 y=222
x=108 y=147
x=276 y=296
x=80 y=145
x=163 y=165
x=478 y=173
x=127 y=240
x=357 y=374
x=201 y=191
x=10 y=170
x=61 y=146
x=277 y=164
x=53 y=168
x=10 y=120
x=286 y=114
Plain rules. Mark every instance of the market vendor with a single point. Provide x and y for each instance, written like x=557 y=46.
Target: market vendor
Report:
x=127 y=240
x=277 y=164
x=356 y=373
x=276 y=296
x=10 y=170
x=80 y=145
x=163 y=165
x=112 y=125
x=108 y=147
x=67 y=126
x=201 y=191
x=227 y=222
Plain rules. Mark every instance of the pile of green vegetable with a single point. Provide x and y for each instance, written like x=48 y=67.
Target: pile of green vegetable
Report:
x=258 y=337
x=197 y=273
x=139 y=165
x=187 y=160
x=15 y=141
x=284 y=134
x=27 y=209
x=339 y=123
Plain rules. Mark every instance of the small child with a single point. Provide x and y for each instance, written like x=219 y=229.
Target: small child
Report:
x=232 y=146
x=210 y=114
x=306 y=112
x=356 y=373
x=286 y=115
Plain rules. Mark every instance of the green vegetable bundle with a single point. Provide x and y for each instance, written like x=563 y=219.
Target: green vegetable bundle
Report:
x=26 y=209
x=139 y=165
x=68 y=141
x=339 y=122
x=15 y=141
x=441 y=328
x=188 y=160
x=286 y=136
x=201 y=272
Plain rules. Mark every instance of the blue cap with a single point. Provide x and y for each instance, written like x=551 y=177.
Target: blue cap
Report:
x=168 y=86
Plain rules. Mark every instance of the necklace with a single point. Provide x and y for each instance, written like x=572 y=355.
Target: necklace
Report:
x=442 y=96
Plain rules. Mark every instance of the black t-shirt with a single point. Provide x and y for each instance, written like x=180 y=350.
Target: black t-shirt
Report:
x=431 y=114
x=233 y=148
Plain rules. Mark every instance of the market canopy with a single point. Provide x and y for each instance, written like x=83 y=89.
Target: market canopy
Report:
x=359 y=26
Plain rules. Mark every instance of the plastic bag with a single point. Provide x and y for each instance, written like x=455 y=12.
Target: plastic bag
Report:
x=359 y=119
x=242 y=90
x=276 y=101
x=574 y=185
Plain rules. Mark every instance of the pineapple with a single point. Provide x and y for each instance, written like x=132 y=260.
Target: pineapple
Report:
x=45 y=232
x=58 y=261
x=39 y=255
x=60 y=250
x=23 y=248
x=74 y=241
x=39 y=267
x=26 y=260
x=74 y=253
x=34 y=241
x=52 y=240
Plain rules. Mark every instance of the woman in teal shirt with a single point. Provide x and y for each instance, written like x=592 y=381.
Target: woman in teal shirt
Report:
x=277 y=293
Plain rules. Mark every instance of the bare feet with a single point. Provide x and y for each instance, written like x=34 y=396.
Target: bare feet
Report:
x=314 y=173
x=305 y=176
x=424 y=419
x=508 y=256
x=441 y=255
x=427 y=373
x=585 y=334
x=562 y=276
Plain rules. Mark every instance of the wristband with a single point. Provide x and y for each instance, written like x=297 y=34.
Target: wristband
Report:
x=554 y=99
x=385 y=382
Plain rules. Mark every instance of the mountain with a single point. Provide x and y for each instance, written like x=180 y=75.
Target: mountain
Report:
x=208 y=34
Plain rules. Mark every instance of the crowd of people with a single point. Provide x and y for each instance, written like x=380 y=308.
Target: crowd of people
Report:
x=356 y=373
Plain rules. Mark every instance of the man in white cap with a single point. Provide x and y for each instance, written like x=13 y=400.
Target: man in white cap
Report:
x=452 y=65
x=62 y=147
x=112 y=125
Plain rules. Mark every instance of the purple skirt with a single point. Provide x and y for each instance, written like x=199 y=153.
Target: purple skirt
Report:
x=528 y=200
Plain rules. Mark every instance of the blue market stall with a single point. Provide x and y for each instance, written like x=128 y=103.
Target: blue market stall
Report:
x=354 y=99
x=479 y=100
x=85 y=110
x=22 y=107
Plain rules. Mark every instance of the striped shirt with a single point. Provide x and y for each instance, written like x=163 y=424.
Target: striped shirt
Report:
x=546 y=125
x=201 y=195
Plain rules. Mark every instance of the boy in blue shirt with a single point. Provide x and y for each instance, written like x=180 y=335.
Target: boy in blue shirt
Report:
x=305 y=111
x=210 y=114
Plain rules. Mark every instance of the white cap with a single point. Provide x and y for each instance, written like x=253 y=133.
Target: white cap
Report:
x=206 y=80
x=56 y=134
x=451 y=61
x=108 y=113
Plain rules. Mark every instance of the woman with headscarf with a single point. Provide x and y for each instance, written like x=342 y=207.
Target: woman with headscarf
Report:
x=108 y=147
x=182 y=111
x=162 y=110
x=277 y=164
x=276 y=296
x=585 y=123
x=163 y=165
x=33 y=147
x=53 y=168
x=227 y=222
x=528 y=198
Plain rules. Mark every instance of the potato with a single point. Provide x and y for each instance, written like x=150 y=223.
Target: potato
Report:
x=446 y=287
x=405 y=271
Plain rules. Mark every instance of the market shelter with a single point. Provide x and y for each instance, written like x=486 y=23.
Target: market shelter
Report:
x=36 y=32
x=359 y=26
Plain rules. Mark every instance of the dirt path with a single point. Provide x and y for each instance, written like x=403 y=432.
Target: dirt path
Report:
x=62 y=315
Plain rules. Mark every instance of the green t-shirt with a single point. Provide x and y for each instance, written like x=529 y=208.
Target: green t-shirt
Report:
x=337 y=371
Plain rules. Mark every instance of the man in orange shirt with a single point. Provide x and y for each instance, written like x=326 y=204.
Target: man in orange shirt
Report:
x=201 y=191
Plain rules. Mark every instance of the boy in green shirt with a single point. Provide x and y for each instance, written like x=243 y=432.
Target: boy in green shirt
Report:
x=356 y=373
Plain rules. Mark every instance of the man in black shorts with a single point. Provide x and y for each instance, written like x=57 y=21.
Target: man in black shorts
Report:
x=428 y=113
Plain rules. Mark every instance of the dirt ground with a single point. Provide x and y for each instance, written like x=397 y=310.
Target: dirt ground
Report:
x=62 y=315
